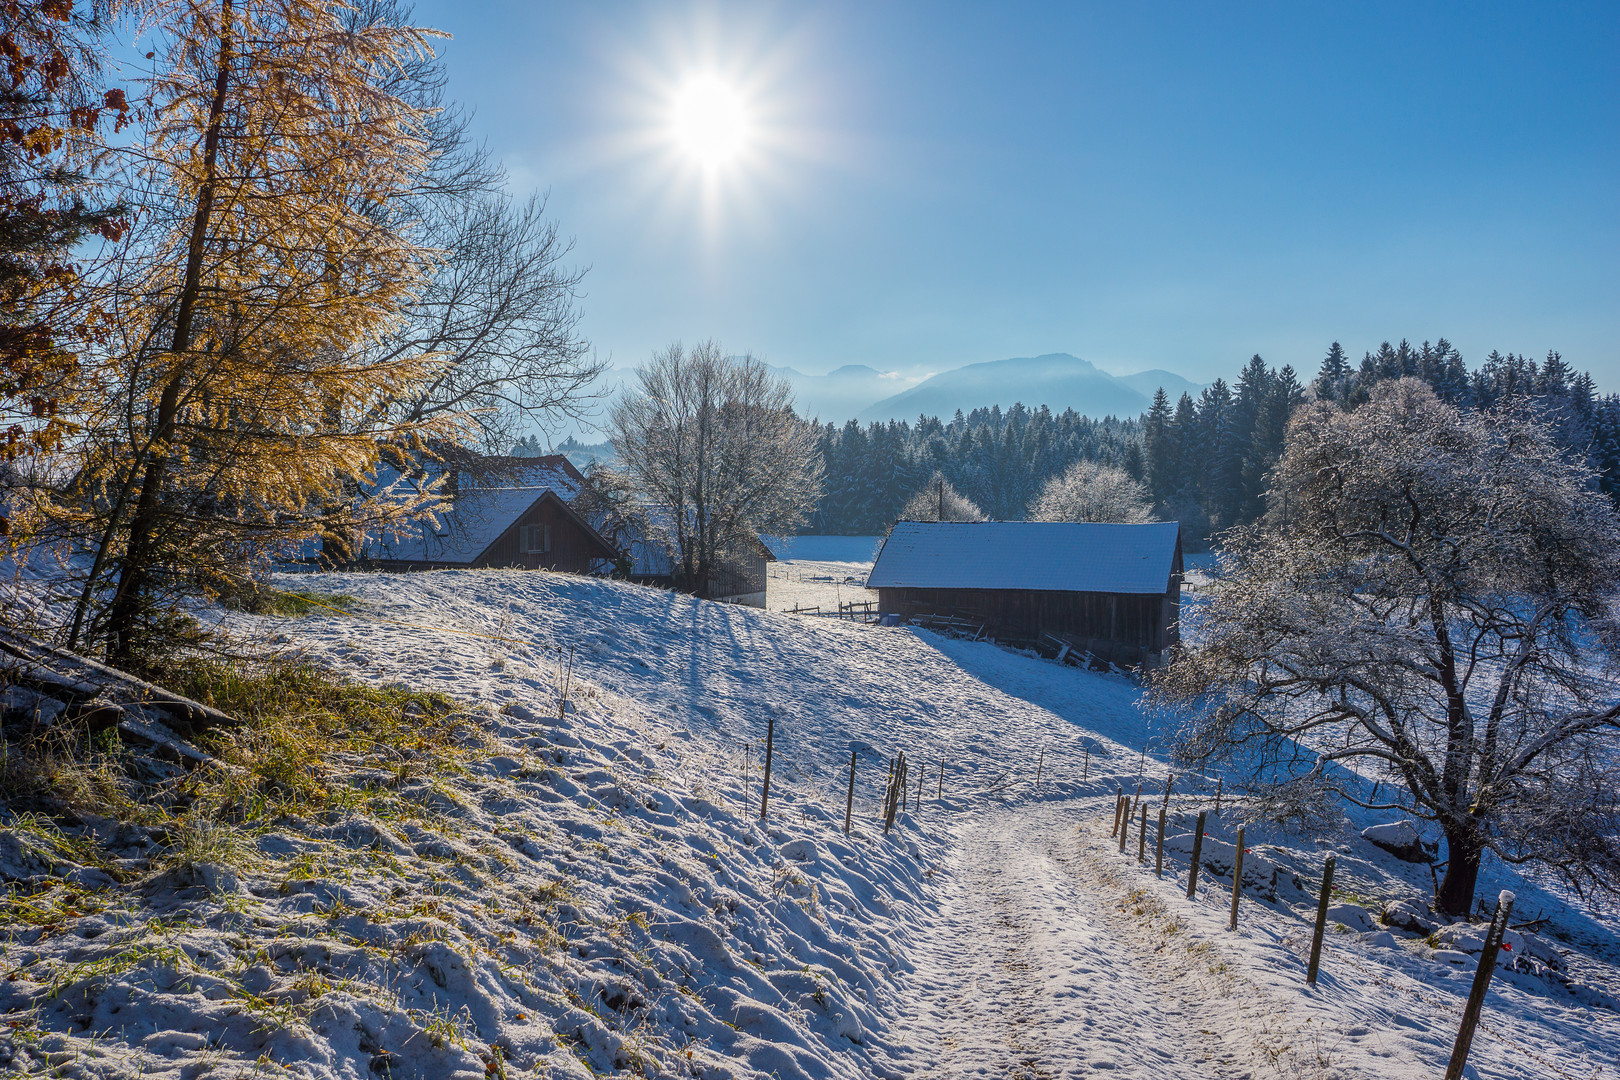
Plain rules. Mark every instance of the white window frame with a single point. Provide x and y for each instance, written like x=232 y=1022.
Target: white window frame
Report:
x=528 y=534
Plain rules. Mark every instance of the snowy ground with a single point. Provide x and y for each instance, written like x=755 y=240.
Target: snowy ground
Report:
x=805 y=584
x=595 y=893
x=820 y=572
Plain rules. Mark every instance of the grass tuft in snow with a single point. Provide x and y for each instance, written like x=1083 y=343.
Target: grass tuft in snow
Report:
x=300 y=721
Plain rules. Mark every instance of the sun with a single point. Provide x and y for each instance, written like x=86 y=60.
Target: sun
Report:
x=710 y=124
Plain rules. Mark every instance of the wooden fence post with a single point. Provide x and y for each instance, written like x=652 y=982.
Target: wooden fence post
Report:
x=897 y=790
x=1125 y=825
x=1119 y=800
x=1158 y=855
x=849 y=800
x=1321 y=919
x=1237 y=878
x=1141 y=834
x=1041 y=761
x=1482 y=982
x=562 y=702
x=888 y=795
x=765 y=792
x=1085 y=766
x=1218 y=781
x=940 y=794
x=1198 y=853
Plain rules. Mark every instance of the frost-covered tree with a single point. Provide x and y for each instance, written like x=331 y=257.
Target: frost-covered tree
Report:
x=1091 y=491
x=937 y=500
x=712 y=443
x=1428 y=600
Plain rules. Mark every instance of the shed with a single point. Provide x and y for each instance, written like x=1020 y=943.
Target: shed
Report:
x=1112 y=590
x=528 y=523
x=742 y=578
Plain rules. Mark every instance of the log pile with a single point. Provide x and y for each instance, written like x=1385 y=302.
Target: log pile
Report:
x=42 y=686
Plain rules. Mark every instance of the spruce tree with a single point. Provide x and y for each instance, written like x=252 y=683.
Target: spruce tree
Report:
x=1157 y=450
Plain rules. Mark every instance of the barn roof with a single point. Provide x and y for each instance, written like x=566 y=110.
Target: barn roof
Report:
x=1040 y=555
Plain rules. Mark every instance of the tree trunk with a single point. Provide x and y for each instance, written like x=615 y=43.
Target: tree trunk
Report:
x=1463 y=851
x=135 y=575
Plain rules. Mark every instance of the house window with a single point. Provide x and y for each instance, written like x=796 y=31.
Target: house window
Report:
x=534 y=539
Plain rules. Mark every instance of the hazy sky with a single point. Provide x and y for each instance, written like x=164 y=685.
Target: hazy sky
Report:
x=924 y=185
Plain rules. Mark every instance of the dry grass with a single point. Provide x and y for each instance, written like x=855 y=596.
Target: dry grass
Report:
x=302 y=726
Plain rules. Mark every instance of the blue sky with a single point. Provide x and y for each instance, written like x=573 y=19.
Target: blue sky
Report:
x=1143 y=185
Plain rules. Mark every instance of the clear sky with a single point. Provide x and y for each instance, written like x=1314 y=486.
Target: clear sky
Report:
x=918 y=186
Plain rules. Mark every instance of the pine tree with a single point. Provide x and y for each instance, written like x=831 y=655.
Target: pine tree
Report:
x=1333 y=378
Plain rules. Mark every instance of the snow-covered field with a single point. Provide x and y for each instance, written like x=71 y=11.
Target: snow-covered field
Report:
x=806 y=584
x=820 y=572
x=594 y=893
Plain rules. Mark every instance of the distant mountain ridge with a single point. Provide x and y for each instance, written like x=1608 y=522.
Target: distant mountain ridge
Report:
x=1057 y=380
x=857 y=391
x=841 y=393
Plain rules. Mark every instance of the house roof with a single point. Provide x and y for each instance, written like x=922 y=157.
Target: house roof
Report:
x=474 y=521
x=1040 y=555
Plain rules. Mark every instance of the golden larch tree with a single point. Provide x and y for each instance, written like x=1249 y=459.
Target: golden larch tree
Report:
x=240 y=405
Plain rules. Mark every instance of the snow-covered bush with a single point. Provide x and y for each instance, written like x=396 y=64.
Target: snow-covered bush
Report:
x=1092 y=491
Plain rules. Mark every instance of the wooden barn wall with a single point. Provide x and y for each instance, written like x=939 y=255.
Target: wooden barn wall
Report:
x=747 y=575
x=572 y=548
x=1145 y=623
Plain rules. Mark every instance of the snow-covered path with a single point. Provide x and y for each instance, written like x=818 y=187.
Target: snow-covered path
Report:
x=1019 y=978
x=1029 y=948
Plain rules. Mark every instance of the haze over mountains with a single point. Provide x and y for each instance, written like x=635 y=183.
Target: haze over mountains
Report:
x=1057 y=380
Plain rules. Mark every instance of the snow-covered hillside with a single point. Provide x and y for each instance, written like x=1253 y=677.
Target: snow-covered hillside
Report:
x=594 y=893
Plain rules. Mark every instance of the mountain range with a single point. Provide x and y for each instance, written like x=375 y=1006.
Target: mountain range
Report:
x=1057 y=380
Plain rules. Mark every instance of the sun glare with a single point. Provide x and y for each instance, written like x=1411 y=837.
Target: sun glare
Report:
x=711 y=125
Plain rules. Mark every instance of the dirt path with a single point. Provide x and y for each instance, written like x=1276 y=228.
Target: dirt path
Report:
x=1029 y=971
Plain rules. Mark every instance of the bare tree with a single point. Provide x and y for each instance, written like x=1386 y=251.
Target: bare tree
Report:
x=500 y=312
x=713 y=444
x=939 y=501
x=500 y=308
x=1429 y=599
x=1092 y=491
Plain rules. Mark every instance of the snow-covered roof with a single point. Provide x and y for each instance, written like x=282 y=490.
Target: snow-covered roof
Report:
x=1048 y=556
x=552 y=472
x=476 y=515
x=465 y=529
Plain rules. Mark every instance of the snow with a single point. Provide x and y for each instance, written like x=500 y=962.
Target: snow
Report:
x=1064 y=556
x=803 y=583
x=593 y=890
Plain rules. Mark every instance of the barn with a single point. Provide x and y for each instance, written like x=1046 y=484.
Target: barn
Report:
x=526 y=521
x=741 y=580
x=1112 y=590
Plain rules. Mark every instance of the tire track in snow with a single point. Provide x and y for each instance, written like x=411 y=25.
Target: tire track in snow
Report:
x=1016 y=977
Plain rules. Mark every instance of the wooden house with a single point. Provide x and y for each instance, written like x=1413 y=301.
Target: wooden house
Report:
x=527 y=522
x=1111 y=590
